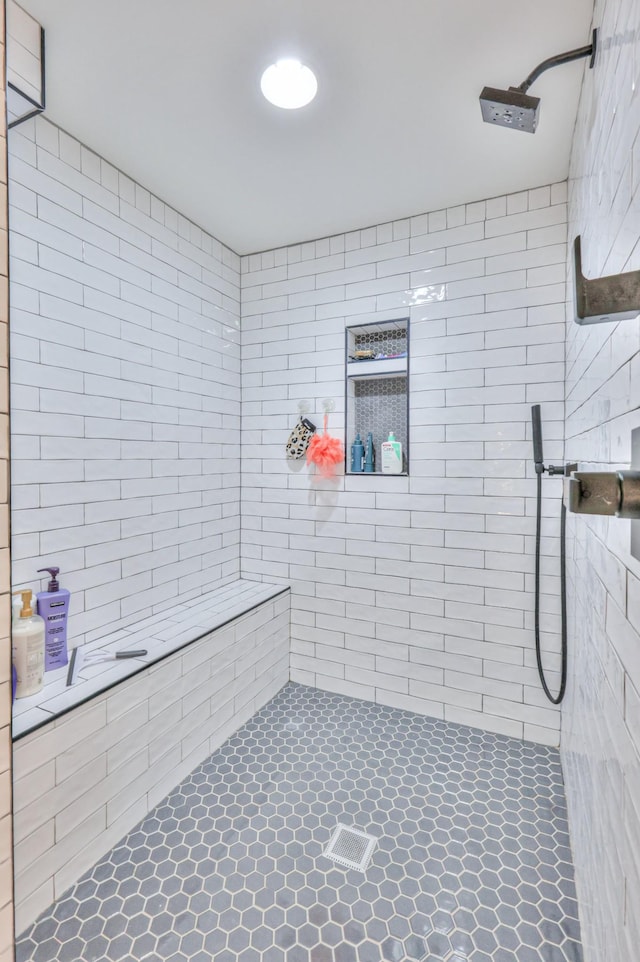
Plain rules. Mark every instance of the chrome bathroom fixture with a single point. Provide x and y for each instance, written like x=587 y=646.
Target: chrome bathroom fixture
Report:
x=552 y=470
x=612 y=493
x=514 y=107
x=612 y=298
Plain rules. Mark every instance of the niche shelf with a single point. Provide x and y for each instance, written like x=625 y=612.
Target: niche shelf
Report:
x=376 y=388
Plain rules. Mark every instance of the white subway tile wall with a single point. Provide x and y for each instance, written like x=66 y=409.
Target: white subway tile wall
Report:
x=82 y=782
x=601 y=717
x=125 y=388
x=6 y=845
x=416 y=592
x=24 y=61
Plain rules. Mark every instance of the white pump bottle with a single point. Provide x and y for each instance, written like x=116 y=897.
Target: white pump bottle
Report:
x=27 y=648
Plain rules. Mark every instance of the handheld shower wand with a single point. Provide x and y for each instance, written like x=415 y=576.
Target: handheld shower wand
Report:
x=536 y=425
x=551 y=470
x=538 y=459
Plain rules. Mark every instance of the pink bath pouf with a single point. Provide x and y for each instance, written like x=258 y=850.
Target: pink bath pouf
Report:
x=325 y=452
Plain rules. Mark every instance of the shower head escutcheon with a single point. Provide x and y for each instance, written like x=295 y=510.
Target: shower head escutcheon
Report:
x=514 y=107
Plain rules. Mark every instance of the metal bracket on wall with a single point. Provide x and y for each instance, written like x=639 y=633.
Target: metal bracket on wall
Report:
x=613 y=298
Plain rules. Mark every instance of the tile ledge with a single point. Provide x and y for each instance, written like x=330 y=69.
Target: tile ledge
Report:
x=162 y=635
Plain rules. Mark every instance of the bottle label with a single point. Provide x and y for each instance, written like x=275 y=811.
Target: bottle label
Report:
x=391 y=457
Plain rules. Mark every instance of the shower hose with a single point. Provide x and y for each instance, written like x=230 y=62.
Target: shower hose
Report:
x=563 y=597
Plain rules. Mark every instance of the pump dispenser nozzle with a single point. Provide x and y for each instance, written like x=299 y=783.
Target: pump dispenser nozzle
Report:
x=54 y=584
x=26 y=595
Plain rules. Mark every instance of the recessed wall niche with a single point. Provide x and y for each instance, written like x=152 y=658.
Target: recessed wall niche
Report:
x=376 y=387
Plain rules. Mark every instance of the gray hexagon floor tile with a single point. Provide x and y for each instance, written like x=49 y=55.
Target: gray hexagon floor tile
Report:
x=472 y=862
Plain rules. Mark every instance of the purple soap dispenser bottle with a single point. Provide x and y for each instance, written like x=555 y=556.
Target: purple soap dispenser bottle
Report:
x=53 y=606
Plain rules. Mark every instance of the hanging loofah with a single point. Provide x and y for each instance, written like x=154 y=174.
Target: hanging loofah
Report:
x=325 y=452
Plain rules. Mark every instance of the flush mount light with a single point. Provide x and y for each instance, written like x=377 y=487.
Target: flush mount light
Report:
x=289 y=84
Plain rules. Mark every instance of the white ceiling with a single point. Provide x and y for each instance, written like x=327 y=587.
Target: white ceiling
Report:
x=168 y=90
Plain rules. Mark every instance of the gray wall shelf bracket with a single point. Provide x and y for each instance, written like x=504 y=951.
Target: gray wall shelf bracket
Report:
x=613 y=298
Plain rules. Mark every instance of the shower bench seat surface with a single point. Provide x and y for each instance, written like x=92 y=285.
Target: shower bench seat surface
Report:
x=161 y=635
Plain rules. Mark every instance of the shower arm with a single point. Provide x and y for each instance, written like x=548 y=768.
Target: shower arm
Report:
x=571 y=55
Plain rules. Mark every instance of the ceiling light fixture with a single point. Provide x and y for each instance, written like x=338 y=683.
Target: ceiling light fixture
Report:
x=289 y=84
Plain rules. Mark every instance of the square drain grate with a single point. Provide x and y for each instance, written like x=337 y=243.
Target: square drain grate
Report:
x=351 y=847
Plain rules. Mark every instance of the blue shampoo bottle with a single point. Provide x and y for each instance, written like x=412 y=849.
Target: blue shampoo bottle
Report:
x=53 y=606
x=357 y=454
x=369 y=458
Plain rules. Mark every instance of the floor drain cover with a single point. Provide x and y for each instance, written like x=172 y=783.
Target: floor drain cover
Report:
x=351 y=847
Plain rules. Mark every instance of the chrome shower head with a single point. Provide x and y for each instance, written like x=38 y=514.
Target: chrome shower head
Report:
x=510 y=108
x=514 y=107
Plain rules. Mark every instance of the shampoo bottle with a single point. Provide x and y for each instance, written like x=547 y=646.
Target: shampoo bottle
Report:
x=391 y=451
x=53 y=607
x=27 y=649
x=357 y=454
x=369 y=458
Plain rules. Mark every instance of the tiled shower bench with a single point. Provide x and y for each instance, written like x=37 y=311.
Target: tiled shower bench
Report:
x=91 y=760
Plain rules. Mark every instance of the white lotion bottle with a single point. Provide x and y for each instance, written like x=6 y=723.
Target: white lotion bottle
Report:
x=391 y=451
x=27 y=649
